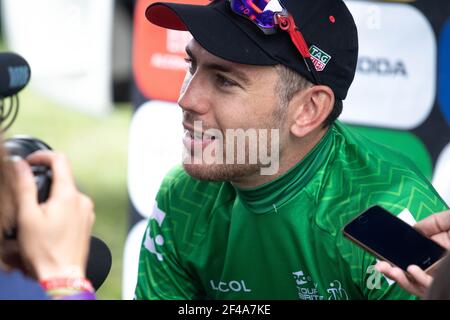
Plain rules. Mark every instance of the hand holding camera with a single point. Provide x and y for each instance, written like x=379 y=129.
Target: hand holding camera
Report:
x=53 y=235
x=54 y=220
x=52 y=238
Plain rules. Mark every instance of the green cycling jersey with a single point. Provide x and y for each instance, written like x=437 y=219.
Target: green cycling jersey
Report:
x=282 y=240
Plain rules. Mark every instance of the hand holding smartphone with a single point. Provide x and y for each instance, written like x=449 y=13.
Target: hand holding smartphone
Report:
x=393 y=240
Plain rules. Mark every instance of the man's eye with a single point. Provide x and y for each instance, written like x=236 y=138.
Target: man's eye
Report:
x=190 y=65
x=224 y=81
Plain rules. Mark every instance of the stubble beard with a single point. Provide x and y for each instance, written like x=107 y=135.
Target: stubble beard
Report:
x=236 y=172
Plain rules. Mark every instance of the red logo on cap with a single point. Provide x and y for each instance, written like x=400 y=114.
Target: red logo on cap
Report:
x=319 y=58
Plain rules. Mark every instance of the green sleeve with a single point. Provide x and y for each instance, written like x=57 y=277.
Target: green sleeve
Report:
x=161 y=274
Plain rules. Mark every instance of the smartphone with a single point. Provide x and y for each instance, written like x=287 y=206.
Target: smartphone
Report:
x=389 y=238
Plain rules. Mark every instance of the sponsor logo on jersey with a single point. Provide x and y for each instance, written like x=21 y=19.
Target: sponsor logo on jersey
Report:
x=307 y=288
x=233 y=285
x=336 y=292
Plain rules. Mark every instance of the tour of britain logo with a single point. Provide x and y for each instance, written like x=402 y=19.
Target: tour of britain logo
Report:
x=319 y=58
x=307 y=289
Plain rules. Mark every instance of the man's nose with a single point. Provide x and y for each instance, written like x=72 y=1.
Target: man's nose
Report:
x=194 y=95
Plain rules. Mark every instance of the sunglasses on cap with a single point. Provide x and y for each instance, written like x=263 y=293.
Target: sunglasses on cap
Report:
x=270 y=16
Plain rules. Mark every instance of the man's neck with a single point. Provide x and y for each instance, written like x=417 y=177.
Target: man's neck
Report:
x=292 y=156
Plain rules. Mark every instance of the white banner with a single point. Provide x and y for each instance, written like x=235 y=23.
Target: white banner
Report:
x=68 y=44
x=395 y=83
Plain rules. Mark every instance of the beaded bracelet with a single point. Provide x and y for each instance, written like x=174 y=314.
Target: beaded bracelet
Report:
x=77 y=284
x=69 y=288
x=71 y=295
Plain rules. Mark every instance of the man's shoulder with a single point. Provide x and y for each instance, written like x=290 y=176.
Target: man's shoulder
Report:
x=364 y=173
x=367 y=163
x=360 y=150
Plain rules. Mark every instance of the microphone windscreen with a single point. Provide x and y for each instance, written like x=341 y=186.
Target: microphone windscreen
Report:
x=99 y=262
x=15 y=73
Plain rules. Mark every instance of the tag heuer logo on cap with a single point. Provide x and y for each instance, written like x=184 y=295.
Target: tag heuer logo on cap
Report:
x=319 y=58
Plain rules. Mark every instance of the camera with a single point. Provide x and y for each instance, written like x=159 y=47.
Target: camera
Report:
x=23 y=146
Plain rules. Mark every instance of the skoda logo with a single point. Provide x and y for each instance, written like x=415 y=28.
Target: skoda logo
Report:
x=382 y=67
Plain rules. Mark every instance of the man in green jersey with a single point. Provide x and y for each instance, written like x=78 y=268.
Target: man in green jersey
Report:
x=260 y=216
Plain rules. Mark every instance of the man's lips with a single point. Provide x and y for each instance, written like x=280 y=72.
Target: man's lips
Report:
x=197 y=135
x=196 y=140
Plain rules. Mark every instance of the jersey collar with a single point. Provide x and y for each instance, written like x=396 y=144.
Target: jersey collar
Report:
x=272 y=195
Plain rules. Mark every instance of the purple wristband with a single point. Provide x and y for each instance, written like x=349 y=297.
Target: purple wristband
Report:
x=85 y=295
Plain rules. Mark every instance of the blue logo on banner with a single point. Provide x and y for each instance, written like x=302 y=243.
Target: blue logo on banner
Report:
x=444 y=72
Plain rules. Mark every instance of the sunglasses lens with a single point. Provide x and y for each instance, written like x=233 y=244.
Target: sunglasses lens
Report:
x=260 y=12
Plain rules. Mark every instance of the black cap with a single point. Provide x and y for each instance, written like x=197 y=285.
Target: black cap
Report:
x=327 y=26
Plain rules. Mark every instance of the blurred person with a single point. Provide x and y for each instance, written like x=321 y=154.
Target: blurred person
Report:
x=49 y=256
x=261 y=218
x=417 y=281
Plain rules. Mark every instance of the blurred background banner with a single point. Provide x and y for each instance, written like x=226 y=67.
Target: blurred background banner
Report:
x=158 y=56
x=78 y=73
x=391 y=89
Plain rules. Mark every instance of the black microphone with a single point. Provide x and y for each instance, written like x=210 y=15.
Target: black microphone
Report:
x=99 y=262
x=15 y=73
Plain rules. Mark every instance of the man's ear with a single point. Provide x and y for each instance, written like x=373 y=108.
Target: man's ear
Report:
x=311 y=108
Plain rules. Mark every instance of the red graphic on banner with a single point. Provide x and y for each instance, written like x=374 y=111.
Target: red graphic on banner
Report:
x=158 y=55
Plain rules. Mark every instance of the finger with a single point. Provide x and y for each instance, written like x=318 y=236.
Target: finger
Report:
x=404 y=281
x=383 y=267
x=88 y=205
x=401 y=278
x=420 y=276
x=436 y=223
x=25 y=187
x=62 y=177
x=87 y=202
x=391 y=272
